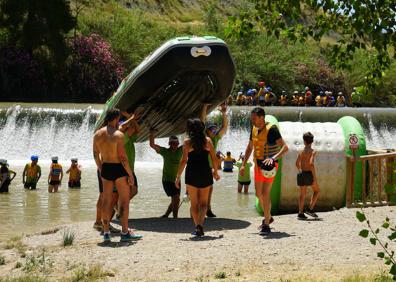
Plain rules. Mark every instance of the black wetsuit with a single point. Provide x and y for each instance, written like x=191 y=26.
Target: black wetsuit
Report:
x=198 y=171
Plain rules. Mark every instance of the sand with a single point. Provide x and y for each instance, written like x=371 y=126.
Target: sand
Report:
x=327 y=249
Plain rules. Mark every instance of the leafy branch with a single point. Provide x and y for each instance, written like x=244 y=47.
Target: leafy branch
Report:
x=387 y=255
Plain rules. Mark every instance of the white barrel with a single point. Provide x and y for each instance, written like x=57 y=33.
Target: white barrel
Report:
x=330 y=164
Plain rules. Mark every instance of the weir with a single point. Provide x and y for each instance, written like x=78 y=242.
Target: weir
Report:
x=53 y=129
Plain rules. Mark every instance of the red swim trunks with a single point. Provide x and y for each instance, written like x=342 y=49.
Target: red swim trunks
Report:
x=259 y=177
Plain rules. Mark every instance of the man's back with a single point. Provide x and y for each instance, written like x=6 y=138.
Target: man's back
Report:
x=106 y=141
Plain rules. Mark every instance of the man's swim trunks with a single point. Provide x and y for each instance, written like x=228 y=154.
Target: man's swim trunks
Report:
x=305 y=178
x=113 y=171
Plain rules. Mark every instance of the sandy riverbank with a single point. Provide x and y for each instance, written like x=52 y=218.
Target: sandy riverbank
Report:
x=318 y=250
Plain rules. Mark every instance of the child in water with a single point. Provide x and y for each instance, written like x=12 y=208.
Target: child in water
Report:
x=55 y=176
x=74 y=174
x=228 y=162
x=307 y=177
x=243 y=180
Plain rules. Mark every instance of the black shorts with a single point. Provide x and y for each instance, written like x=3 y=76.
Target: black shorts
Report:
x=247 y=183
x=4 y=187
x=113 y=171
x=74 y=184
x=31 y=185
x=170 y=188
x=114 y=189
x=54 y=182
x=305 y=178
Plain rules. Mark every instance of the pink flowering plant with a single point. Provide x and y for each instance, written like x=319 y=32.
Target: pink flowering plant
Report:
x=94 y=72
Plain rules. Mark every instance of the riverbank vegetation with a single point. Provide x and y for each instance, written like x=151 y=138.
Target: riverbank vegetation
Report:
x=92 y=45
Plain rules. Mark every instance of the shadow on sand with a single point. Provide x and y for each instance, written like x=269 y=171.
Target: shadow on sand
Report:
x=185 y=225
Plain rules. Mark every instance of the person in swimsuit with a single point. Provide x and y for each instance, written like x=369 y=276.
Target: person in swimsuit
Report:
x=197 y=149
x=55 y=176
x=267 y=146
x=307 y=177
x=215 y=135
x=112 y=163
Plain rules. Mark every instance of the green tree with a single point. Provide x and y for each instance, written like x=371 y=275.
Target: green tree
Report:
x=355 y=24
x=34 y=24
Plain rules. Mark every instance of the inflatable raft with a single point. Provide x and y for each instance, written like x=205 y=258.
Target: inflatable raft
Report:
x=173 y=82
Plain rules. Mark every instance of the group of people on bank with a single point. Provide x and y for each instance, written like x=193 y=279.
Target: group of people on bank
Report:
x=264 y=96
x=32 y=173
x=115 y=156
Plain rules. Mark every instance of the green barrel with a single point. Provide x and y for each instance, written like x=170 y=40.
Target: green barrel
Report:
x=350 y=125
x=276 y=186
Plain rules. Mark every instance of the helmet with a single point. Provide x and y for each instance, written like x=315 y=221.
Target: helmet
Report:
x=269 y=88
x=74 y=160
x=295 y=92
x=34 y=158
x=173 y=138
x=340 y=93
x=55 y=158
x=3 y=161
x=283 y=91
x=240 y=93
x=250 y=92
x=306 y=88
x=261 y=83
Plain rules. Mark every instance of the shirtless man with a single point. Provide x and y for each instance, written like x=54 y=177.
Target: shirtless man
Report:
x=112 y=163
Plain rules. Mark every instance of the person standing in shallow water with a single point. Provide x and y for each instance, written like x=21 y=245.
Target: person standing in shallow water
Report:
x=55 y=176
x=267 y=146
x=172 y=157
x=31 y=174
x=74 y=174
x=197 y=149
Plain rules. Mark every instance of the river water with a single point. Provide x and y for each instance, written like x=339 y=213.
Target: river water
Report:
x=66 y=130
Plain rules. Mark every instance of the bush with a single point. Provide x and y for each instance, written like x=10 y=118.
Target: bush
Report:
x=93 y=71
x=21 y=76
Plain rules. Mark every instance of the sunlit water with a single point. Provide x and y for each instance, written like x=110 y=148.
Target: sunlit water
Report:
x=66 y=131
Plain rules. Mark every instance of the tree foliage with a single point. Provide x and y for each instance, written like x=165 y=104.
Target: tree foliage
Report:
x=356 y=24
x=34 y=24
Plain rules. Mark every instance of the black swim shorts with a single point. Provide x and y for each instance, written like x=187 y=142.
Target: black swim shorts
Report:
x=305 y=178
x=170 y=188
x=74 y=184
x=31 y=185
x=113 y=171
x=247 y=183
x=54 y=182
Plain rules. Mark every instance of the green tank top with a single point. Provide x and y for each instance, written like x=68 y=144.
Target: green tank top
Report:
x=129 y=144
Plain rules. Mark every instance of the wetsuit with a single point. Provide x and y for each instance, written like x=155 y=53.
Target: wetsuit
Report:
x=198 y=171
